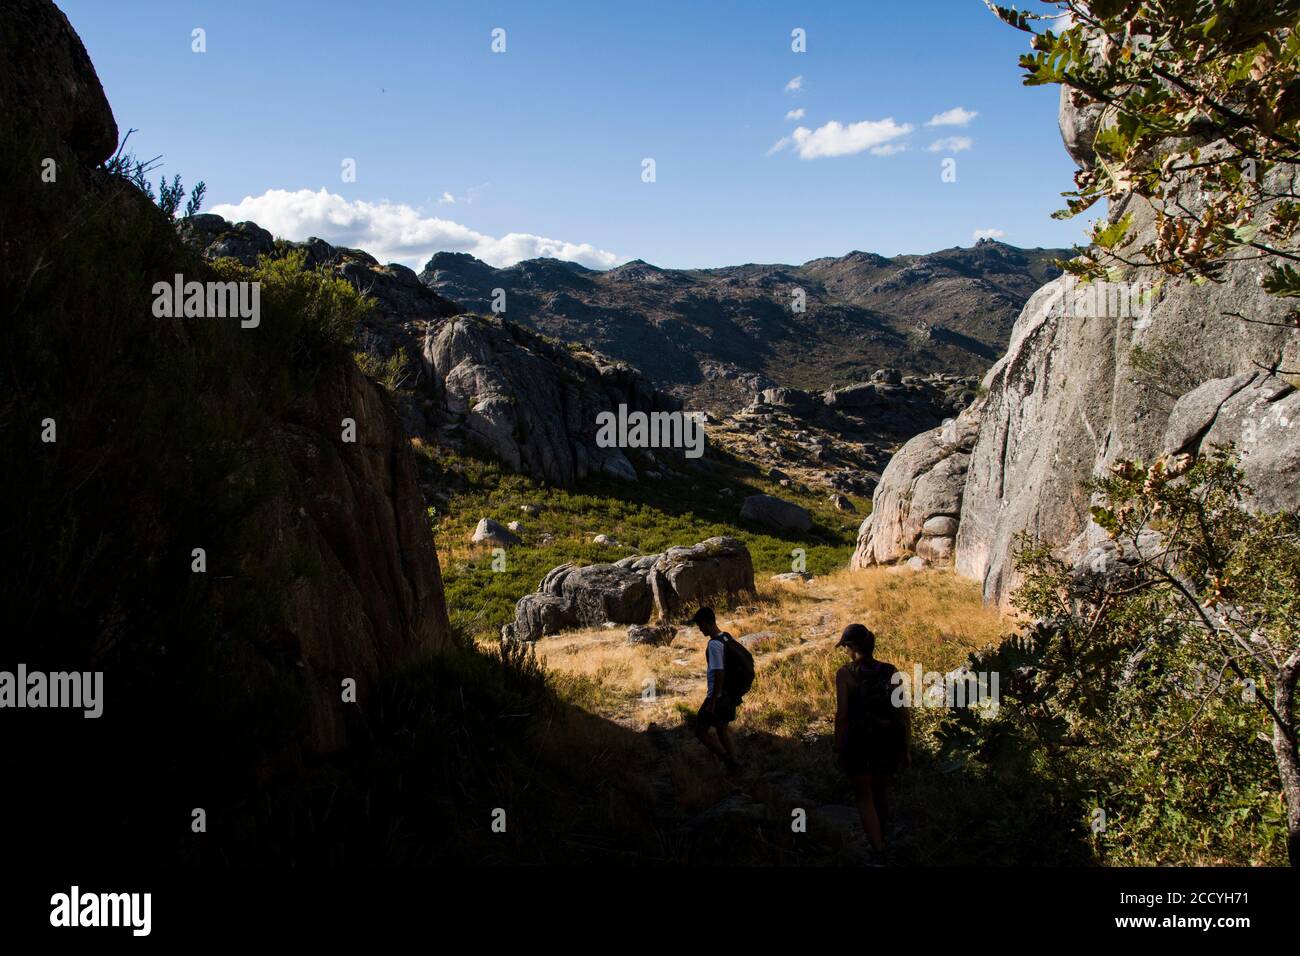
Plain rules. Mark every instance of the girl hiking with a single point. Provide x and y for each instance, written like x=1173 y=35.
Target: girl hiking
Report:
x=872 y=731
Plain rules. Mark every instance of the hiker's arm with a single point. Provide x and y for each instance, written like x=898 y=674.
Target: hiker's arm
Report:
x=841 y=711
x=719 y=681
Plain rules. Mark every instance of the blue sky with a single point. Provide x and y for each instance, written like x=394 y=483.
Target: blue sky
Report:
x=540 y=149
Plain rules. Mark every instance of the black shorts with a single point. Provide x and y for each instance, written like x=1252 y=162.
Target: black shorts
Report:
x=722 y=713
x=883 y=754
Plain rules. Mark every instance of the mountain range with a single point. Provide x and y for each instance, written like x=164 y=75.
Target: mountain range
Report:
x=718 y=336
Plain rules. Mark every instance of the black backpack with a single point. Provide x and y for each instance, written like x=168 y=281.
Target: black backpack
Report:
x=874 y=714
x=739 y=665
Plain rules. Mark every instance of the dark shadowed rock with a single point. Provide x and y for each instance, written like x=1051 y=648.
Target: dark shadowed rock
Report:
x=49 y=87
x=627 y=592
x=571 y=596
x=775 y=513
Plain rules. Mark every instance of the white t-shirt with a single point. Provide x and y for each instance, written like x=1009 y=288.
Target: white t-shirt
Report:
x=715 y=656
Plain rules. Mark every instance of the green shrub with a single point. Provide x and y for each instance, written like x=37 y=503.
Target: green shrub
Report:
x=1149 y=695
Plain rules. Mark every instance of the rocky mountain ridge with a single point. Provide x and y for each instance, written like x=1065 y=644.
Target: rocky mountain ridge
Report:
x=719 y=335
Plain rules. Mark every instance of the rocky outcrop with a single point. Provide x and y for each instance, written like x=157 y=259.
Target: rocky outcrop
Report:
x=215 y=238
x=681 y=577
x=843 y=437
x=466 y=382
x=1084 y=384
x=571 y=596
x=54 y=96
x=532 y=405
x=631 y=590
x=916 y=507
x=354 y=512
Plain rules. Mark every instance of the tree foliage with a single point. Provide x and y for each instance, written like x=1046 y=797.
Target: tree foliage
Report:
x=1199 y=105
x=169 y=196
x=1160 y=681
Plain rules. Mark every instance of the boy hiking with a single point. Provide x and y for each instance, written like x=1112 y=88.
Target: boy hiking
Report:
x=872 y=734
x=730 y=675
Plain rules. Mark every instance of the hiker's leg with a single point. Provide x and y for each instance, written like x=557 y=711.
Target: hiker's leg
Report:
x=724 y=735
x=702 y=733
x=867 y=810
x=880 y=787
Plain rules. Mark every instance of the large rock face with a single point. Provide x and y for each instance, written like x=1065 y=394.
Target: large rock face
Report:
x=54 y=95
x=531 y=405
x=356 y=510
x=468 y=382
x=1081 y=387
x=337 y=576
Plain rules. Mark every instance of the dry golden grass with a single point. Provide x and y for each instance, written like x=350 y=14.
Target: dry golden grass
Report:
x=932 y=618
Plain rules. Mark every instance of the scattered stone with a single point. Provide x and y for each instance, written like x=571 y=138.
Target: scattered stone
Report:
x=492 y=532
x=793 y=576
x=776 y=513
x=842 y=503
x=657 y=635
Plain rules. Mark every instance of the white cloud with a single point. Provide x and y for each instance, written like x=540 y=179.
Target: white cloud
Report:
x=395 y=232
x=779 y=145
x=838 y=139
x=889 y=149
x=979 y=234
x=953 y=117
x=951 y=144
x=447 y=199
x=796 y=114
x=795 y=85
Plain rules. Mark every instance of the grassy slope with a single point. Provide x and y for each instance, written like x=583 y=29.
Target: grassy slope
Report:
x=644 y=517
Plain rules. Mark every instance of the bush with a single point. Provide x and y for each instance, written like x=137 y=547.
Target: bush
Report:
x=1160 y=695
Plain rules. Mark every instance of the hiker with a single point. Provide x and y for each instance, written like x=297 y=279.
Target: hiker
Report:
x=730 y=675
x=872 y=732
